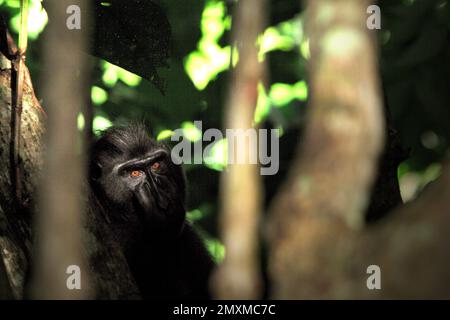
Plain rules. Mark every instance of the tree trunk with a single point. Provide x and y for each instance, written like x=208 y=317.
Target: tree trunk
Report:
x=320 y=245
x=15 y=231
x=239 y=275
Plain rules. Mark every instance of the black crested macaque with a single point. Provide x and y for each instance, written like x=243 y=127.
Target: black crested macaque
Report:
x=142 y=193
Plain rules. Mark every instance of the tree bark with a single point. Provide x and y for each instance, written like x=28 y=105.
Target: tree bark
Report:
x=239 y=275
x=320 y=249
x=327 y=192
x=110 y=275
x=15 y=231
x=61 y=210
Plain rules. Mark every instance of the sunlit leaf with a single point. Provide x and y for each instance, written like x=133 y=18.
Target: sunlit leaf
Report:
x=402 y=169
x=129 y=78
x=281 y=94
x=272 y=40
x=191 y=132
x=214 y=246
x=218 y=157
x=196 y=66
x=212 y=23
x=194 y=215
x=412 y=182
x=13 y=3
x=204 y=64
x=285 y=36
x=80 y=121
x=101 y=123
x=216 y=249
x=164 y=134
x=279 y=131
x=98 y=95
x=432 y=172
x=301 y=90
x=110 y=77
x=37 y=18
x=304 y=49
x=113 y=73
x=262 y=106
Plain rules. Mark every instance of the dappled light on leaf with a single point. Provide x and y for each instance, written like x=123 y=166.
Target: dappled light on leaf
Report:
x=113 y=73
x=304 y=49
x=164 y=134
x=98 y=95
x=37 y=18
x=284 y=36
x=213 y=24
x=272 y=40
x=262 y=106
x=281 y=94
x=13 y=3
x=191 y=132
x=80 y=122
x=204 y=64
x=100 y=123
x=194 y=215
x=216 y=249
x=217 y=159
x=413 y=182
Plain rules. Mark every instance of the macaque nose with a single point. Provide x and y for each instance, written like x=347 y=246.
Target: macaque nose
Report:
x=144 y=196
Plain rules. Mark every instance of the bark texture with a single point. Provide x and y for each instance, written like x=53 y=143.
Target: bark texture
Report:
x=239 y=275
x=328 y=188
x=15 y=231
x=110 y=276
x=320 y=247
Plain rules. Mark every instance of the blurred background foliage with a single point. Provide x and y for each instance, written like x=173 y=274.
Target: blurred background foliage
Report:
x=414 y=65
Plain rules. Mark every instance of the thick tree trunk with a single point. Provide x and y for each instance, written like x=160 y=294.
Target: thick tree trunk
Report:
x=327 y=193
x=5 y=288
x=320 y=246
x=15 y=232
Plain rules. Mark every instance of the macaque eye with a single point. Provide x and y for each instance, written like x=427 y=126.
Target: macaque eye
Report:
x=136 y=173
x=156 y=166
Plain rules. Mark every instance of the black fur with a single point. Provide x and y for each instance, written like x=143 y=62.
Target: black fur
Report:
x=147 y=214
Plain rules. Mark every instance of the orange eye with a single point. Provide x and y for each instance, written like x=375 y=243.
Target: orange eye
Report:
x=155 y=166
x=136 y=173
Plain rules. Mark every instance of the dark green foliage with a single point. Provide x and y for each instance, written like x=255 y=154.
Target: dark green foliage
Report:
x=415 y=64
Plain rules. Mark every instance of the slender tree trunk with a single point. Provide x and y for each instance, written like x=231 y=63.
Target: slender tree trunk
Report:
x=61 y=210
x=239 y=275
